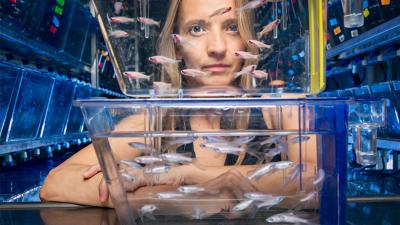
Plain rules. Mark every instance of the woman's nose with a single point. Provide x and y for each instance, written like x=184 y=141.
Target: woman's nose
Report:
x=216 y=45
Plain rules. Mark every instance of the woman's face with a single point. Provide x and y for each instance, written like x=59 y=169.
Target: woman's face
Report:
x=215 y=40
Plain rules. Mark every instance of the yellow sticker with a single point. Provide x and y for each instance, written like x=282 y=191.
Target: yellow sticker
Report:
x=337 y=30
x=366 y=12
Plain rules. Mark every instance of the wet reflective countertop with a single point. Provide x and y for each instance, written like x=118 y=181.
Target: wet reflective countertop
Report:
x=358 y=213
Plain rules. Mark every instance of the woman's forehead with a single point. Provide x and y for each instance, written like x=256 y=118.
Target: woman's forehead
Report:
x=201 y=9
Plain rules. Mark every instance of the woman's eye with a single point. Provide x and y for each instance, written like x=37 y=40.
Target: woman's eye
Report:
x=196 y=29
x=233 y=28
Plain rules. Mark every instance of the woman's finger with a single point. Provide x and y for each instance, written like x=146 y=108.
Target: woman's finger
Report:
x=103 y=191
x=91 y=171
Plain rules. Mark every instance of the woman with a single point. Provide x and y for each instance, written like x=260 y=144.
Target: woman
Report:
x=213 y=43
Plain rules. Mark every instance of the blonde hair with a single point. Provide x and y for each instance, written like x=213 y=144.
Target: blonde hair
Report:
x=170 y=72
x=166 y=47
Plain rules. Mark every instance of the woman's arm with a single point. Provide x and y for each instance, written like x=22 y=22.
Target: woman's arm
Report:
x=65 y=183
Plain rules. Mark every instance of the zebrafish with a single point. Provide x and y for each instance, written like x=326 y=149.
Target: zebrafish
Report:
x=128 y=177
x=157 y=169
x=257 y=196
x=275 y=200
x=246 y=70
x=298 y=139
x=245 y=55
x=169 y=195
x=320 y=177
x=242 y=205
x=286 y=218
x=130 y=164
x=163 y=60
x=142 y=147
x=148 y=21
x=147 y=159
x=136 y=75
x=176 y=158
x=258 y=44
x=190 y=189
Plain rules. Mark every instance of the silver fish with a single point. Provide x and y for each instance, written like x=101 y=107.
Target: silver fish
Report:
x=286 y=218
x=275 y=151
x=245 y=55
x=142 y=147
x=180 y=141
x=298 y=139
x=122 y=19
x=194 y=73
x=130 y=164
x=268 y=28
x=157 y=169
x=147 y=209
x=136 y=75
x=275 y=200
x=242 y=140
x=242 y=205
x=261 y=171
x=320 y=177
x=128 y=177
x=252 y=5
x=220 y=11
x=158 y=59
x=119 y=34
x=148 y=21
x=258 y=44
x=283 y=164
x=310 y=196
x=169 y=195
x=272 y=140
x=147 y=159
x=259 y=74
x=175 y=158
x=179 y=40
x=257 y=196
x=190 y=189
x=246 y=70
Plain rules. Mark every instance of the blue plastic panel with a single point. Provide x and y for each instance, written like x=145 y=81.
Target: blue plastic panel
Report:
x=75 y=120
x=60 y=104
x=9 y=80
x=30 y=106
x=362 y=92
x=76 y=35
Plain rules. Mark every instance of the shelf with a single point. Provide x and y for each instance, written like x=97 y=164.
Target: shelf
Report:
x=381 y=35
x=34 y=49
x=40 y=142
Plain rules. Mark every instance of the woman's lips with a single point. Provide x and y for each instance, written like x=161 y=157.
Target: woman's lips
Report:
x=216 y=68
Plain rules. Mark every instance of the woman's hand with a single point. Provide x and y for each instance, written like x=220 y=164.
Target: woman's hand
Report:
x=103 y=190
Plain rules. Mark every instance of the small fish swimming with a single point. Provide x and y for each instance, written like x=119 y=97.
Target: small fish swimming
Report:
x=257 y=196
x=119 y=34
x=147 y=159
x=286 y=218
x=283 y=164
x=122 y=19
x=193 y=73
x=259 y=44
x=176 y=158
x=163 y=60
x=147 y=210
x=118 y=7
x=148 y=21
x=220 y=11
x=224 y=148
x=275 y=200
x=246 y=70
x=130 y=164
x=169 y=195
x=242 y=205
x=298 y=139
x=259 y=74
x=179 y=141
x=128 y=177
x=272 y=140
x=136 y=75
x=190 y=189
x=179 y=40
x=245 y=55
x=261 y=171
x=142 y=147
x=242 y=140
x=310 y=196
x=275 y=151
x=268 y=28
x=252 y=5
x=157 y=169
x=320 y=177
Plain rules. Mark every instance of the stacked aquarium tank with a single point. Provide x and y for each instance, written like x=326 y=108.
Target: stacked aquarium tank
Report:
x=274 y=153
